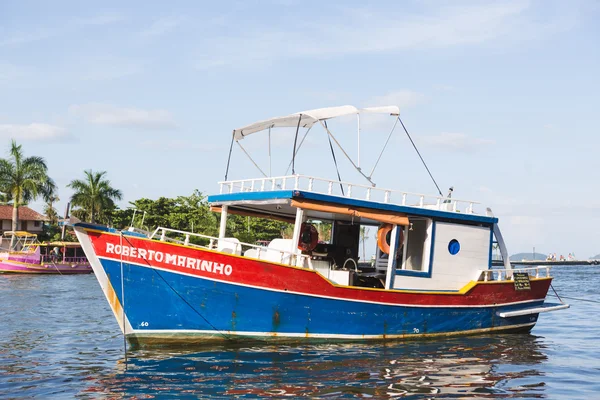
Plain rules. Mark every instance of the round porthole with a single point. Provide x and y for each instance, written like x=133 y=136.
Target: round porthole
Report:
x=454 y=247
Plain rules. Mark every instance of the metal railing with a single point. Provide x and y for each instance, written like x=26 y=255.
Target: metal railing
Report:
x=507 y=274
x=349 y=190
x=285 y=257
x=66 y=260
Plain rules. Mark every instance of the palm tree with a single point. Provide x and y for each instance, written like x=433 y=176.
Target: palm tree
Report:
x=23 y=179
x=364 y=235
x=49 y=209
x=94 y=195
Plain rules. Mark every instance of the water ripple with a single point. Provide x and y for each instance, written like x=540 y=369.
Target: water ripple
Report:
x=59 y=340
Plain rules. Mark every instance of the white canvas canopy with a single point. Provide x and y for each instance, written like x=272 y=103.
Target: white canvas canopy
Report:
x=308 y=118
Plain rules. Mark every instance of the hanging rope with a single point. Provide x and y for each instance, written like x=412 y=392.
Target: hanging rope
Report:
x=572 y=298
x=123 y=303
x=253 y=162
x=575 y=298
x=556 y=294
x=335 y=162
x=174 y=291
x=417 y=150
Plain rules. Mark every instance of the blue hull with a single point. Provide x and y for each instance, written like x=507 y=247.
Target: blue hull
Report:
x=165 y=305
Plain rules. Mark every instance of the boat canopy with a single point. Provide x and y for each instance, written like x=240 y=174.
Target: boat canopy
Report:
x=22 y=234
x=59 y=244
x=306 y=119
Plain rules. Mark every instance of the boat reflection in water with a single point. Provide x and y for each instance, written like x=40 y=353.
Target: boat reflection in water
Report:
x=503 y=365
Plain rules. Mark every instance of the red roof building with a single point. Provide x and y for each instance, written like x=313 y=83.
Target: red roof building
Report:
x=29 y=220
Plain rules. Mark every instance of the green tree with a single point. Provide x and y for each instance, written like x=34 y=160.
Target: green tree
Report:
x=93 y=197
x=23 y=179
x=49 y=209
x=253 y=229
x=185 y=213
x=364 y=235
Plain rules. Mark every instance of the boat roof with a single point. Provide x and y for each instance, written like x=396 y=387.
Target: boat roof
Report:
x=60 y=244
x=306 y=119
x=282 y=204
x=268 y=197
x=20 y=234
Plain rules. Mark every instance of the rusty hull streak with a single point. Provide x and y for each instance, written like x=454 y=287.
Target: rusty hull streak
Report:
x=233 y=321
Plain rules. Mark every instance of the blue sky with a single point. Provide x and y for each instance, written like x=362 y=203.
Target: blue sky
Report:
x=501 y=97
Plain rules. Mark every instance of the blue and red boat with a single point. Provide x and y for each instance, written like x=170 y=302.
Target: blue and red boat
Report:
x=432 y=274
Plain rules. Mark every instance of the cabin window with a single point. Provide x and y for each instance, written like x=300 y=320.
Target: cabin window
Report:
x=419 y=241
x=454 y=247
x=36 y=224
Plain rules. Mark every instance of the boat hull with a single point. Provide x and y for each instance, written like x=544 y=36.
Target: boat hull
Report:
x=9 y=267
x=183 y=300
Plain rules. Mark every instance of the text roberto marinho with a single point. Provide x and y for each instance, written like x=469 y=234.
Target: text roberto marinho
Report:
x=167 y=258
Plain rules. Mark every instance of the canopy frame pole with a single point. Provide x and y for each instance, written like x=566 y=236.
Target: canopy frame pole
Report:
x=229 y=158
x=251 y=159
x=223 y=222
x=298 y=149
x=270 y=171
x=346 y=154
x=335 y=163
x=295 y=140
x=419 y=153
x=392 y=263
x=358 y=140
x=384 y=146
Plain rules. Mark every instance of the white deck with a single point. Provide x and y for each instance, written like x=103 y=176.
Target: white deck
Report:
x=351 y=190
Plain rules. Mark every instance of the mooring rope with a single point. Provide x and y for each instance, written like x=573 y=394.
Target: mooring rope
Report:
x=181 y=297
x=572 y=298
x=123 y=303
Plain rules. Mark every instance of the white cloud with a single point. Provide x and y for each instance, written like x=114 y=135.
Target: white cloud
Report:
x=106 y=114
x=33 y=131
x=100 y=20
x=22 y=38
x=363 y=31
x=109 y=69
x=400 y=98
x=10 y=72
x=177 y=144
x=162 y=26
x=455 y=141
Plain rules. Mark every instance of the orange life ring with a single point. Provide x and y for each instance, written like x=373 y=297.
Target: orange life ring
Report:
x=382 y=238
x=309 y=237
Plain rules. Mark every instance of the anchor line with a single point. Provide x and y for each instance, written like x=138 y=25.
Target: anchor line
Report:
x=572 y=298
x=123 y=305
x=559 y=299
x=177 y=293
x=56 y=268
x=579 y=299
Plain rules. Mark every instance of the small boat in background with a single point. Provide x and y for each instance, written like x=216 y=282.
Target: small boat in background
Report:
x=31 y=257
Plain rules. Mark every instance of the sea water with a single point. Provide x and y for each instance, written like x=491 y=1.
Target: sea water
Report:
x=59 y=339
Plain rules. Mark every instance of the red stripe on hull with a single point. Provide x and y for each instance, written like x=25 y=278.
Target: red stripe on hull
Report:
x=268 y=275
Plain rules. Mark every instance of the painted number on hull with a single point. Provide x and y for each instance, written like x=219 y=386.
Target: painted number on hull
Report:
x=415 y=330
x=144 y=324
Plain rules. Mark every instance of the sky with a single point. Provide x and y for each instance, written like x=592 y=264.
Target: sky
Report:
x=502 y=98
